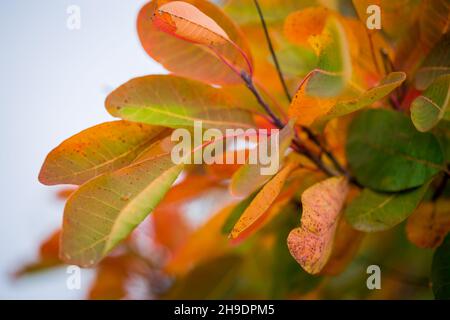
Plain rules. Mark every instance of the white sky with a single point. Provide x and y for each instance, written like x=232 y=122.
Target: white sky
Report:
x=53 y=83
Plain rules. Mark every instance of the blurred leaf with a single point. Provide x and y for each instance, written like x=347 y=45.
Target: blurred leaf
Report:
x=171 y=226
x=176 y=102
x=105 y=210
x=434 y=20
x=346 y=244
x=312 y=242
x=296 y=60
x=205 y=243
x=189 y=59
x=111 y=279
x=428 y=109
x=262 y=201
x=303 y=24
x=236 y=213
x=249 y=177
x=344 y=107
x=440 y=277
x=334 y=68
x=275 y=11
x=386 y=153
x=429 y=224
x=372 y=211
x=213 y=279
x=48 y=256
x=435 y=65
x=104 y=148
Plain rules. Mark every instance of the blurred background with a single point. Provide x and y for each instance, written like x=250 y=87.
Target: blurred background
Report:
x=53 y=84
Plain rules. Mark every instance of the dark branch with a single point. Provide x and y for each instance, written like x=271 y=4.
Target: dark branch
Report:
x=272 y=51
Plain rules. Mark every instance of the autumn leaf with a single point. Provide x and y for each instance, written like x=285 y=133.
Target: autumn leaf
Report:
x=249 y=177
x=301 y=25
x=48 y=256
x=170 y=34
x=174 y=102
x=262 y=201
x=344 y=107
x=104 y=148
x=311 y=243
x=105 y=210
x=429 y=224
x=428 y=109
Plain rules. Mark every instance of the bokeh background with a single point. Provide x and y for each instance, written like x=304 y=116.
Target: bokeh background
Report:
x=53 y=82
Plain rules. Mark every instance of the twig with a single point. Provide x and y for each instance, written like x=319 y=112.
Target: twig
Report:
x=272 y=51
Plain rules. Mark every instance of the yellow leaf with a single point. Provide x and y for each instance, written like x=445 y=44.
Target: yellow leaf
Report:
x=311 y=243
x=262 y=201
x=429 y=224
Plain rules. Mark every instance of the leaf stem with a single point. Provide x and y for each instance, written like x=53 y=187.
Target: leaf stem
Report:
x=272 y=51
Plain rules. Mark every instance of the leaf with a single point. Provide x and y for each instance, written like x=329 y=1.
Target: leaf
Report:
x=429 y=224
x=440 y=277
x=171 y=40
x=296 y=60
x=48 y=256
x=433 y=21
x=309 y=22
x=205 y=243
x=111 y=279
x=104 y=148
x=334 y=68
x=212 y=279
x=236 y=213
x=344 y=107
x=435 y=65
x=428 y=109
x=311 y=243
x=105 y=210
x=386 y=153
x=249 y=177
x=262 y=201
x=187 y=22
x=372 y=211
x=345 y=247
x=170 y=212
x=176 y=102
x=275 y=11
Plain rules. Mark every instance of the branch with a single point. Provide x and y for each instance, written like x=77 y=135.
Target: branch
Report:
x=272 y=51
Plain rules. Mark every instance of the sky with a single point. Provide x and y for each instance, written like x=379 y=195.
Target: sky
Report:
x=53 y=83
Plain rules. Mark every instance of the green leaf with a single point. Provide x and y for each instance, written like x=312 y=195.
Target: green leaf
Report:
x=105 y=210
x=386 y=153
x=106 y=147
x=385 y=87
x=372 y=211
x=244 y=12
x=435 y=65
x=214 y=279
x=296 y=60
x=440 y=271
x=428 y=109
x=175 y=102
x=334 y=68
x=249 y=177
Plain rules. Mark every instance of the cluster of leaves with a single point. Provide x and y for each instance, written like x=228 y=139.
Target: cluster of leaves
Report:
x=365 y=153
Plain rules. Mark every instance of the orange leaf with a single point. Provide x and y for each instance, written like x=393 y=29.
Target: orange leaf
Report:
x=192 y=38
x=206 y=243
x=429 y=224
x=103 y=148
x=311 y=243
x=301 y=25
x=262 y=201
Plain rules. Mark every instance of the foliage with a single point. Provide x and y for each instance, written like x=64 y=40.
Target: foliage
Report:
x=364 y=147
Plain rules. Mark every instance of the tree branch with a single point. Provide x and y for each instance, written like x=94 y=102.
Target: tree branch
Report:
x=272 y=52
